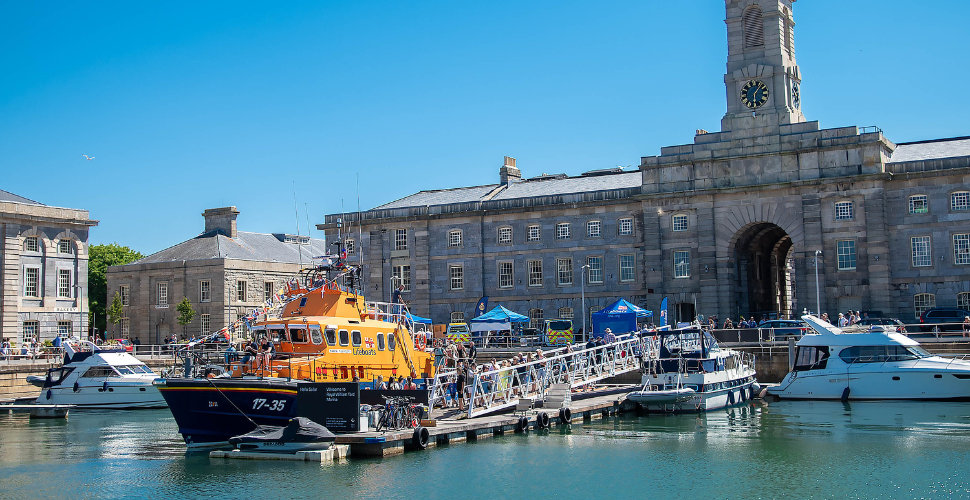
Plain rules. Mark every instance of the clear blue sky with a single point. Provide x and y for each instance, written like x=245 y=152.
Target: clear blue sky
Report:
x=192 y=105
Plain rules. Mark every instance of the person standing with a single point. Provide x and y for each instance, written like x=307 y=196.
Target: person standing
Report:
x=460 y=385
x=966 y=326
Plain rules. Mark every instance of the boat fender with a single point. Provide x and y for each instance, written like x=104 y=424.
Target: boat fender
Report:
x=730 y=397
x=48 y=394
x=845 y=394
x=421 y=437
x=542 y=421
x=76 y=387
x=565 y=415
x=522 y=425
x=104 y=386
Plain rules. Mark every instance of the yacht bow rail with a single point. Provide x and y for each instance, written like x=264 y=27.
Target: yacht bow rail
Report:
x=500 y=389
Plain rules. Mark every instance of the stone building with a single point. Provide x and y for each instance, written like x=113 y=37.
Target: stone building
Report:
x=224 y=273
x=44 y=258
x=728 y=225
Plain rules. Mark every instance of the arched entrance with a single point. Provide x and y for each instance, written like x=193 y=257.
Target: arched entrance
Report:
x=764 y=271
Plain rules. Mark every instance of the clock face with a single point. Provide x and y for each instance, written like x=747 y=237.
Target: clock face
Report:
x=796 y=95
x=754 y=94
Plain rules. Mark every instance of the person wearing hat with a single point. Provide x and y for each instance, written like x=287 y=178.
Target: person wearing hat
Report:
x=610 y=338
x=843 y=321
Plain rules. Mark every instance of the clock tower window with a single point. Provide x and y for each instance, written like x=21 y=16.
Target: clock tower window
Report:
x=754 y=27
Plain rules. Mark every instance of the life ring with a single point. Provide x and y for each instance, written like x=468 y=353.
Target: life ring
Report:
x=565 y=416
x=542 y=420
x=522 y=425
x=421 y=437
x=419 y=341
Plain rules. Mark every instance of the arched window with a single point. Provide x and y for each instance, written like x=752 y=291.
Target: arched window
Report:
x=922 y=302
x=754 y=27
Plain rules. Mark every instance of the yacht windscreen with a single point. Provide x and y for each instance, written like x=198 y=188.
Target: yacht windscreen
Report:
x=881 y=353
x=811 y=358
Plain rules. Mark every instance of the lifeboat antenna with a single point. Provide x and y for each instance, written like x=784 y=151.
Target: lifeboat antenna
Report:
x=296 y=213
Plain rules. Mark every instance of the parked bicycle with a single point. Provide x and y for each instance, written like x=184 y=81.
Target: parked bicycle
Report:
x=397 y=412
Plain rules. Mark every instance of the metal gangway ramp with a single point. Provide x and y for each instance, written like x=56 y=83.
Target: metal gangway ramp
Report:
x=496 y=390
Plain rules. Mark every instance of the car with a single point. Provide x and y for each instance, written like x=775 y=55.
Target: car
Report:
x=123 y=342
x=943 y=319
x=785 y=327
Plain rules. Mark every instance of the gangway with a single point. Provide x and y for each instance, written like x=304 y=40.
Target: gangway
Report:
x=497 y=390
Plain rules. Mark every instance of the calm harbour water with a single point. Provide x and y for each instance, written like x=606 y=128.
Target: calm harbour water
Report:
x=785 y=450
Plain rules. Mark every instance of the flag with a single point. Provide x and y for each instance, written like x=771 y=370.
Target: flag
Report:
x=663 y=312
x=482 y=305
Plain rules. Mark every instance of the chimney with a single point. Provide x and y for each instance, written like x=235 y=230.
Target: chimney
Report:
x=222 y=220
x=508 y=172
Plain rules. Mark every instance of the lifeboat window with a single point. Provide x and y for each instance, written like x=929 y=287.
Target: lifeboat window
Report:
x=303 y=302
x=331 y=336
x=344 y=337
x=391 y=343
x=298 y=335
x=315 y=336
x=380 y=341
x=277 y=334
x=811 y=358
x=355 y=338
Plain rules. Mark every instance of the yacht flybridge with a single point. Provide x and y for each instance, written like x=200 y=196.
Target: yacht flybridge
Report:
x=878 y=364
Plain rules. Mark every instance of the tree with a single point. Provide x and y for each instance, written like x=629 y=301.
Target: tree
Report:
x=186 y=313
x=99 y=258
x=116 y=311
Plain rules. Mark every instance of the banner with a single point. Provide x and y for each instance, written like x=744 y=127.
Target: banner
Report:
x=482 y=305
x=663 y=312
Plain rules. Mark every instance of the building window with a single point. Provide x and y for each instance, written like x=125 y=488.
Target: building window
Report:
x=846 y=253
x=961 y=249
x=402 y=276
x=241 y=291
x=457 y=317
x=753 y=27
x=535 y=232
x=564 y=268
x=679 y=222
x=921 y=251
x=626 y=227
x=682 y=264
x=64 y=246
x=204 y=321
x=505 y=278
x=31 y=244
x=536 y=319
x=123 y=291
x=454 y=238
x=64 y=328
x=205 y=293
x=31 y=282
x=161 y=298
x=349 y=246
x=268 y=291
x=565 y=313
x=919 y=204
x=960 y=200
x=457 y=274
x=627 y=268
x=535 y=273
x=923 y=302
x=31 y=329
x=593 y=229
x=562 y=231
x=594 y=271
x=125 y=328
x=963 y=301
x=505 y=235
x=843 y=210
x=64 y=283
x=400 y=239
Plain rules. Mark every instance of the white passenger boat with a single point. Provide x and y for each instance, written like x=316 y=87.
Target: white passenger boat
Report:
x=99 y=377
x=691 y=373
x=876 y=364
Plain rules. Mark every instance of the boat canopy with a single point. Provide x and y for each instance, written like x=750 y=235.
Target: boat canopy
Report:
x=830 y=335
x=498 y=319
x=418 y=319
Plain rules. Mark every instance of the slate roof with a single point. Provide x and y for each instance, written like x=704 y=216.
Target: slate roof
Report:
x=441 y=197
x=7 y=196
x=245 y=246
x=931 y=150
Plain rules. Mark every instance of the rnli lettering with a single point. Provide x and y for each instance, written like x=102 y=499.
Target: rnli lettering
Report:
x=365 y=352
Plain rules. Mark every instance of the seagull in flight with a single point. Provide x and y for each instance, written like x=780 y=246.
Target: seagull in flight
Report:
x=89 y=158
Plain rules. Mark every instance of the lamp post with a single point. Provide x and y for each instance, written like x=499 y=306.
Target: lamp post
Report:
x=818 y=293
x=582 y=288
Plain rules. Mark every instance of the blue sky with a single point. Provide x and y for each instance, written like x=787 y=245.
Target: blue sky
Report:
x=193 y=105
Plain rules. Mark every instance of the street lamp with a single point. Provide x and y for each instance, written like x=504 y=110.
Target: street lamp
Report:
x=582 y=288
x=818 y=293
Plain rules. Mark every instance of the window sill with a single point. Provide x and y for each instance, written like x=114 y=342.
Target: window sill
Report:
x=158 y=306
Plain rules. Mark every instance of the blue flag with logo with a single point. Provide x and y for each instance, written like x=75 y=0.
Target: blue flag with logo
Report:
x=663 y=312
x=481 y=307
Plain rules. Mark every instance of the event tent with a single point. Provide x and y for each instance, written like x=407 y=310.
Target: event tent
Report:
x=418 y=319
x=498 y=319
x=620 y=317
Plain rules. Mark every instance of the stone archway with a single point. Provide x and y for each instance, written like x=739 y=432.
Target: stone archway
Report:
x=763 y=271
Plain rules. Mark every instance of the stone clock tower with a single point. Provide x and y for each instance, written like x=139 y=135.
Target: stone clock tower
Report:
x=762 y=79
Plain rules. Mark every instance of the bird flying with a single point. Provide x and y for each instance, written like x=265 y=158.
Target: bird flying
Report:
x=89 y=158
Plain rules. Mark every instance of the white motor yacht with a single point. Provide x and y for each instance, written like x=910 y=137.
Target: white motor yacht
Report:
x=691 y=373
x=876 y=364
x=99 y=377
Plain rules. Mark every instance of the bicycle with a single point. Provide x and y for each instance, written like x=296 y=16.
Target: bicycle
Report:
x=396 y=413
